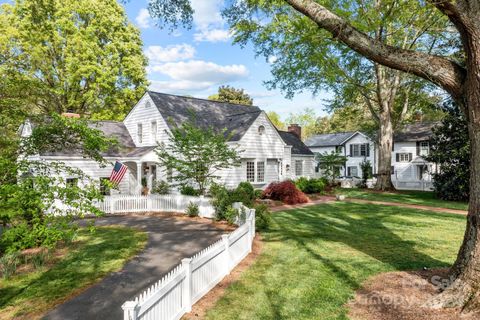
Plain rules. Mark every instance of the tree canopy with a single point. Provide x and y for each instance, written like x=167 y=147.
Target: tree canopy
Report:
x=232 y=95
x=78 y=56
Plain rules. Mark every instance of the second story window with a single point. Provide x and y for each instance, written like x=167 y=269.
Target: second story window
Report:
x=423 y=148
x=360 y=150
x=140 y=133
x=404 y=157
x=154 y=131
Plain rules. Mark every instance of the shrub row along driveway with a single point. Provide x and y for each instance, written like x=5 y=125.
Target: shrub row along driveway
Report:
x=170 y=239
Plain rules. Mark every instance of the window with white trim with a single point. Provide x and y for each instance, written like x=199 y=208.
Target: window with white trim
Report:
x=251 y=171
x=147 y=104
x=359 y=150
x=154 y=130
x=352 y=171
x=424 y=148
x=404 y=157
x=71 y=182
x=261 y=130
x=260 y=171
x=139 y=133
x=298 y=167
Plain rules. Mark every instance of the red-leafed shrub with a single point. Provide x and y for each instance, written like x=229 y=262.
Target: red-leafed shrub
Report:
x=286 y=192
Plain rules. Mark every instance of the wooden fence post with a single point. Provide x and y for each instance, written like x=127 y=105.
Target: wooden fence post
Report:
x=130 y=310
x=187 y=285
x=227 y=261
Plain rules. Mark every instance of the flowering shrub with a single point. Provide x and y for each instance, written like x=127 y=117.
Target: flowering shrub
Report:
x=286 y=192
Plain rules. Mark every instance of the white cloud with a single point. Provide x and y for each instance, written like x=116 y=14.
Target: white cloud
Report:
x=208 y=21
x=158 y=54
x=212 y=35
x=202 y=71
x=183 y=86
x=272 y=59
x=143 y=19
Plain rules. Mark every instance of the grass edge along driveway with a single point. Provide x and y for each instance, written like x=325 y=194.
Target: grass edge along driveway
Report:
x=93 y=257
x=422 y=198
x=314 y=258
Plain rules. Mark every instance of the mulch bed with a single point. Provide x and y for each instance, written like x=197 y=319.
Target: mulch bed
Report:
x=400 y=296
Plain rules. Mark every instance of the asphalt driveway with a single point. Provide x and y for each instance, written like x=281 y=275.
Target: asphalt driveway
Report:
x=170 y=240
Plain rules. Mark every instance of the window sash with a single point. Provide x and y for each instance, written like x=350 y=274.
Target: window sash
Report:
x=140 y=133
x=154 y=130
x=250 y=171
x=298 y=167
x=260 y=171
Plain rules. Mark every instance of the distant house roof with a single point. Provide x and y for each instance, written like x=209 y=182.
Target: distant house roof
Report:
x=418 y=131
x=329 y=139
x=298 y=147
x=234 y=118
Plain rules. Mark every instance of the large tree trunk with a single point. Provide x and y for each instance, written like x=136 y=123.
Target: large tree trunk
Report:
x=464 y=290
x=385 y=138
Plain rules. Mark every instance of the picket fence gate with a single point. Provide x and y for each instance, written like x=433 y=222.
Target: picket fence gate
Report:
x=422 y=185
x=154 y=203
x=173 y=295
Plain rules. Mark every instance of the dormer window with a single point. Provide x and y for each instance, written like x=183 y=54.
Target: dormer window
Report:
x=261 y=130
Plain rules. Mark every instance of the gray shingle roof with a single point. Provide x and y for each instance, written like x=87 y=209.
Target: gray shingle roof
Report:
x=235 y=118
x=124 y=148
x=418 y=131
x=298 y=147
x=328 y=139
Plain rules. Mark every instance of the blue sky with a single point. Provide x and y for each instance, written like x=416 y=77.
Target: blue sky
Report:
x=197 y=61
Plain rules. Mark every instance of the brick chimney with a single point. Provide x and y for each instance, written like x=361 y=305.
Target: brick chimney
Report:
x=70 y=115
x=296 y=130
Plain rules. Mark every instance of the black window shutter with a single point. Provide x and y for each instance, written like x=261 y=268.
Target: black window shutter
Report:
x=348 y=171
x=368 y=149
x=418 y=148
x=397 y=157
x=351 y=150
x=410 y=157
x=393 y=146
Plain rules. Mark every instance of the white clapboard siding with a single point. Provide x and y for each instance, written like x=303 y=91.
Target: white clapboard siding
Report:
x=154 y=203
x=173 y=295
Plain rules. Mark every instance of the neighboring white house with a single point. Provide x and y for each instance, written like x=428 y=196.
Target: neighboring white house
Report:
x=267 y=154
x=410 y=145
x=356 y=146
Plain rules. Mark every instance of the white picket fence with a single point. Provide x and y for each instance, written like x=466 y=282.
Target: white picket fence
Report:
x=421 y=185
x=173 y=295
x=154 y=203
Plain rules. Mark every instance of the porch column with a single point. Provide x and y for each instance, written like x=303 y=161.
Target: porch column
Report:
x=139 y=177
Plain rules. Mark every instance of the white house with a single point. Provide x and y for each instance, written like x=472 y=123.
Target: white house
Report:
x=356 y=146
x=267 y=154
x=410 y=146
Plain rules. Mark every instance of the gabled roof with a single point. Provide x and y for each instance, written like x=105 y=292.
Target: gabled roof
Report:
x=419 y=131
x=111 y=129
x=298 y=147
x=234 y=118
x=329 y=139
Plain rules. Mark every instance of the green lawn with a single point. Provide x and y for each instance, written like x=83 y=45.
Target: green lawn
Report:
x=423 y=198
x=315 y=258
x=95 y=255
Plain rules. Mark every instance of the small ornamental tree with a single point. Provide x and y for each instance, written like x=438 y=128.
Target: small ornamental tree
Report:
x=329 y=163
x=366 y=167
x=450 y=149
x=196 y=155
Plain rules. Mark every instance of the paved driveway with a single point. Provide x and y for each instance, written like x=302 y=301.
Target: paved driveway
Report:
x=169 y=241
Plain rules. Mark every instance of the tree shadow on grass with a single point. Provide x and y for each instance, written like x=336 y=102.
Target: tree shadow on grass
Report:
x=361 y=227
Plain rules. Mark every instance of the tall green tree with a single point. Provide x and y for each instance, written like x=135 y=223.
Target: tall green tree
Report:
x=232 y=95
x=450 y=150
x=307 y=119
x=275 y=119
x=196 y=155
x=456 y=71
x=79 y=56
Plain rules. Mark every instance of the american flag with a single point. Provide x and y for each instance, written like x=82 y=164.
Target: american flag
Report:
x=119 y=170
